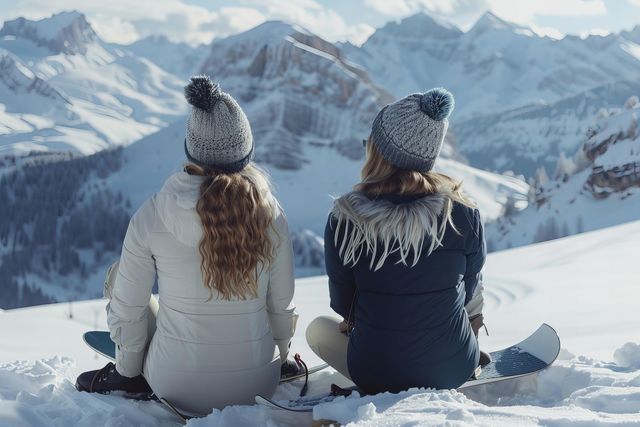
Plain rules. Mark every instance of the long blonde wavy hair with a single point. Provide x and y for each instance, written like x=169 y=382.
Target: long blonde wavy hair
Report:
x=237 y=211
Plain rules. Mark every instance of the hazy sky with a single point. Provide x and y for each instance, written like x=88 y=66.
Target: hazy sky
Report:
x=198 y=21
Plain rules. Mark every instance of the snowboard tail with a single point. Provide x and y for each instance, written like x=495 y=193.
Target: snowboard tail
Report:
x=535 y=353
x=528 y=357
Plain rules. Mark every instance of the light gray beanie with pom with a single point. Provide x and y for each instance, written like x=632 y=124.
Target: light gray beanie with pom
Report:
x=218 y=132
x=409 y=133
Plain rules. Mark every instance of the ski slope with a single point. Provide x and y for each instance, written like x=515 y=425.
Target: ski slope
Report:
x=585 y=286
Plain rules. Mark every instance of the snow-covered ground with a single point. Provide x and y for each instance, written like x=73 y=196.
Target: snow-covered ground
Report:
x=585 y=286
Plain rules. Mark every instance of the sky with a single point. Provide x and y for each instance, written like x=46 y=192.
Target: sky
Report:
x=200 y=21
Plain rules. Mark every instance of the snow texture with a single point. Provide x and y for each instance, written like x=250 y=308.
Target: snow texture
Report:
x=36 y=386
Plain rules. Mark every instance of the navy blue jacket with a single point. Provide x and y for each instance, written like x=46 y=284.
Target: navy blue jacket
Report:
x=410 y=326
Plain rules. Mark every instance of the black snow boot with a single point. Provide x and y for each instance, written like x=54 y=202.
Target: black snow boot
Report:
x=108 y=379
x=477 y=322
x=292 y=368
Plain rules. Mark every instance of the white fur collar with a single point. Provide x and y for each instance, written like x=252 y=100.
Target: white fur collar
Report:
x=381 y=227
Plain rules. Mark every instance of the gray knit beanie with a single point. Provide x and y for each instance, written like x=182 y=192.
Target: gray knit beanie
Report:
x=218 y=132
x=409 y=133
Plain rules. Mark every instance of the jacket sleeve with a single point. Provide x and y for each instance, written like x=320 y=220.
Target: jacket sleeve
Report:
x=127 y=311
x=476 y=255
x=280 y=307
x=342 y=288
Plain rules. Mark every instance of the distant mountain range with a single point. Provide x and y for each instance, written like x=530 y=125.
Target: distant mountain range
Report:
x=522 y=101
x=64 y=89
x=309 y=108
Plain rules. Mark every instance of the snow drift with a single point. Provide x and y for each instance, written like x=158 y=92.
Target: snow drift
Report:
x=600 y=387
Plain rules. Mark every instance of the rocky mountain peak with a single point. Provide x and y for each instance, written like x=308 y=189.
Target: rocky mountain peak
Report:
x=295 y=87
x=20 y=80
x=420 y=26
x=65 y=32
x=491 y=22
x=632 y=35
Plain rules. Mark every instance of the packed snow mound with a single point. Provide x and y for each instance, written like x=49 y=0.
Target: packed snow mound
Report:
x=571 y=393
x=43 y=394
x=628 y=355
x=577 y=392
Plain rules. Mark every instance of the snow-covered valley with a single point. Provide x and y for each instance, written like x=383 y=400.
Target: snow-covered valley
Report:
x=582 y=285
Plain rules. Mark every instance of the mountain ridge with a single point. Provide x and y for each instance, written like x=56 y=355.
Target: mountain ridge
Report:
x=64 y=32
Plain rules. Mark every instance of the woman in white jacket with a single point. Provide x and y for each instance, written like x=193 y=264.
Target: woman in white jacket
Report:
x=217 y=242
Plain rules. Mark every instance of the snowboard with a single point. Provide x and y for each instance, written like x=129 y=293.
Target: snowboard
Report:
x=100 y=342
x=528 y=357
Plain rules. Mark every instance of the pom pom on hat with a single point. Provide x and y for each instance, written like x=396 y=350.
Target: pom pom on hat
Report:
x=202 y=93
x=437 y=103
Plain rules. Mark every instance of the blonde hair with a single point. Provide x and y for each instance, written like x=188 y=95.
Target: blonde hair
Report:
x=383 y=228
x=237 y=210
x=378 y=177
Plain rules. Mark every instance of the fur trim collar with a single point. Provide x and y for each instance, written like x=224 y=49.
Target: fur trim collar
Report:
x=381 y=227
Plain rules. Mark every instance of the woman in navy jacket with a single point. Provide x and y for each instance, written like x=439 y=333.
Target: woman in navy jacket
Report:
x=404 y=254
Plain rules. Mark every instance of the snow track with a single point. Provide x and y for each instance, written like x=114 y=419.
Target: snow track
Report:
x=501 y=292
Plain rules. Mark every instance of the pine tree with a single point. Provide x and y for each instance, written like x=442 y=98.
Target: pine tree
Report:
x=632 y=102
x=580 y=160
x=564 y=168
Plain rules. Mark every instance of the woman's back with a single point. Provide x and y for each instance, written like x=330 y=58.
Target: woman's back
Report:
x=418 y=308
x=206 y=350
x=217 y=242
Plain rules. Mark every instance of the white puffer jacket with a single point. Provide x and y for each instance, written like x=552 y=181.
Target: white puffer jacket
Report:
x=204 y=354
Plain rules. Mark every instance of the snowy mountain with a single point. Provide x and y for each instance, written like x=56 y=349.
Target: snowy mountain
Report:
x=526 y=138
x=597 y=187
x=65 y=32
x=594 y=383
x=296 y=87
x=518 y=95
x=633 y=34
x=495 y=65
x=311 y=146
x=64 y=89
x=179 y=59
